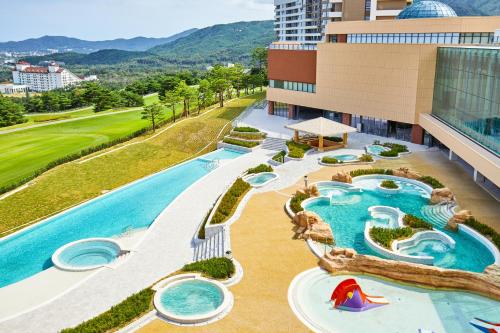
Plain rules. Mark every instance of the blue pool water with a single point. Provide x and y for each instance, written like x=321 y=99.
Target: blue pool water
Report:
x=376 y=149
x=192 y=297
x=345 y=157
x=131 y=207
x=347 y=214
x=91 y=253
x=260 y=179
x=409 y=308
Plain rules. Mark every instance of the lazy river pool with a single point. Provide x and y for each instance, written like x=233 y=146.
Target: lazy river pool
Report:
x=131 y=207
x=347 y=213
x=409 y=309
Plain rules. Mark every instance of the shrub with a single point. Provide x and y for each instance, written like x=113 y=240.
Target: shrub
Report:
x=248 y=135
x=229 y=201
x=295 y=203
x=484 y=230
x=297 y=150
x=432 y=182
x=366 y=158
x=247 y=144
x=118 y=316
x=201 y=232
x=260 y=168
x=389 y=153
x=331 y=160
x=334 y=138
x=295 y=153
x=280 y=157
x=364 y=172
x=385 y=236
x=396 y=147
x=377 y=142
x=246 y=129
x=416 y=223
x=217 y=268
x=390 y=184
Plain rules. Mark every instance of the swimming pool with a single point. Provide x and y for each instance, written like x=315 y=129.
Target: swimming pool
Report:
x=346 y=157
x=347 y=213
x=376 y=149
x=409 y=309
x=261 y=179
x=129 y=208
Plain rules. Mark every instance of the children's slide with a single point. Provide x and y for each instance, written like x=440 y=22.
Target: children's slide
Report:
x=485 y=326
x=349 y=296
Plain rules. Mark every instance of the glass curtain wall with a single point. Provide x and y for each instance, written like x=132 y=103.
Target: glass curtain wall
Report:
x=467 y=93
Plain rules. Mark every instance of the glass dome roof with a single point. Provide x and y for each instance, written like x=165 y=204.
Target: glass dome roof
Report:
x=426 y=9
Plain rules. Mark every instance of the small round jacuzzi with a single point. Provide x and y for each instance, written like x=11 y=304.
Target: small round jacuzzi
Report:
x=86 y=254
x=192 y=300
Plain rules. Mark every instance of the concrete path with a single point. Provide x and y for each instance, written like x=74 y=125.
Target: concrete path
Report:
x=165 y=248
x=67 y=121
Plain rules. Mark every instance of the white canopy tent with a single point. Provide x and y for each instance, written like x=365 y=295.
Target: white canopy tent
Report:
x=322 y=127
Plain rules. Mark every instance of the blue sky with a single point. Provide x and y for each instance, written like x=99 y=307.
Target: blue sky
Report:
x=109 y=19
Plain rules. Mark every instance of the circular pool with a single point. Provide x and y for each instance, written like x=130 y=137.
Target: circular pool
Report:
x=346 y=158
x=192 y=300
x=86 y=254
x=261 y=179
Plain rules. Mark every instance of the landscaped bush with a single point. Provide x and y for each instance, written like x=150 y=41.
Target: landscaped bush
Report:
x=432 y=182
x=230 y=200
x=396 y=147
x=260 y=168
x=485 y=230
x=366 y=158
x=416 y=223
x=280 y=157
x=390 y=184
x=297 y=150
x=385 y=236
x=118 y=316
x=248 y=135
x=365 y=172
x=247 y=144
x=331 y=160
x=334 y=139
x=246 y=129
x=217 y=268
x=389 y=153
x=295 y=203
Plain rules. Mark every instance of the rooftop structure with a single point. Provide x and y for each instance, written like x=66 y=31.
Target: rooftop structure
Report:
x=427 y=9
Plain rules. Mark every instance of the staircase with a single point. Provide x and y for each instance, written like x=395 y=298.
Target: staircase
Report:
x=438 y=215
x=212 y=247
x=275 y=144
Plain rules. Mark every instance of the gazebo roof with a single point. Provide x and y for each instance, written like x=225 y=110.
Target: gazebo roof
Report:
x=322 y=127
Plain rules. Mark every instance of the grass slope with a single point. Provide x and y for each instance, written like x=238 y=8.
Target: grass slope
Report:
x=73 y=183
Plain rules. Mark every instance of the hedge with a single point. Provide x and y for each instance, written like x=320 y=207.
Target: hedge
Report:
x=416 y=223
x=295 y=203
x=334 y=138
x=365 y=172
x=432 y=182
x=280 y=157
x=217 y=268
x=389 y=184
x=485 y=230
x=297 y=150
x=396 y=147
x=118 y=316
x=229 y=201
x=385 y=236
x=260 y=168
x=247 y=144
x=248 y=135
x=246 y=129
x=389 y=153
x=331 y=160
x=366 y=158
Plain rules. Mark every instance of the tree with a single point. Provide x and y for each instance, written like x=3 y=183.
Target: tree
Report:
x=219 y=81
x=11 y=113
x=154 y=113
x=171 y=99
x=185 y=92
x=259 y=58
x=204 y=92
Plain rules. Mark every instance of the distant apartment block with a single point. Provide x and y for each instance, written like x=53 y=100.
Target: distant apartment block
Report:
x=305 y=21
x=9 y=88
x=45 y=78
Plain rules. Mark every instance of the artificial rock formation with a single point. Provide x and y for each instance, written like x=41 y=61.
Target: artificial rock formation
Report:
x=343 y=177
x=406 y=173
x=440 y=195
x=487 y=283
x=457 y=218
x=310 y=225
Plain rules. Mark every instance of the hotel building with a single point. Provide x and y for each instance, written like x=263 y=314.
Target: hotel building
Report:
x=45 y=78
x=428 y=77
x=305 y=21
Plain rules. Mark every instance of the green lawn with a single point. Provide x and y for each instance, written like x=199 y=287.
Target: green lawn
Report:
x=73 y=183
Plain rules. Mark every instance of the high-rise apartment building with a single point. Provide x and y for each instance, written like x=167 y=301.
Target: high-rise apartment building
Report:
x=304 y=21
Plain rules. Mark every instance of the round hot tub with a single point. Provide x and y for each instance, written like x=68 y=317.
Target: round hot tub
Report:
x=192 y=300
x=86 y=254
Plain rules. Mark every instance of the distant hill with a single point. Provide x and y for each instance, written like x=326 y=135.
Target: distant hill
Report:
x=67 y=44
x=475 y=7
x=102 y=57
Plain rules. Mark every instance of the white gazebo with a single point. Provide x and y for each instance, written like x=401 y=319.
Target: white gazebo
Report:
x=319 y=128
